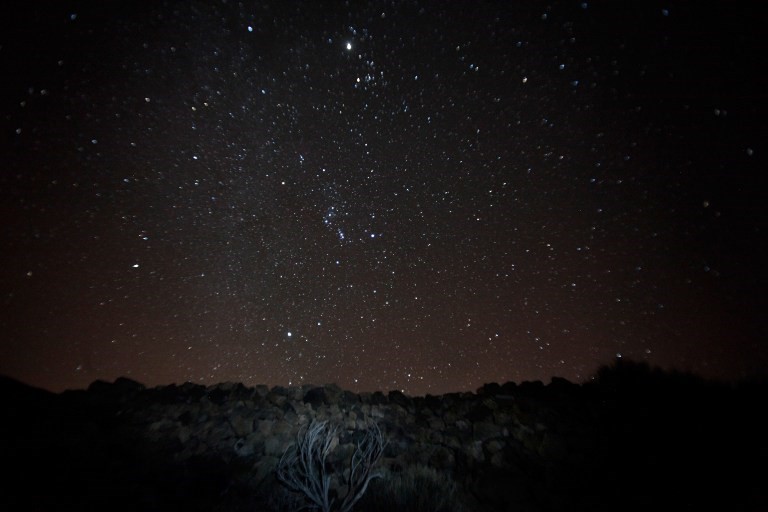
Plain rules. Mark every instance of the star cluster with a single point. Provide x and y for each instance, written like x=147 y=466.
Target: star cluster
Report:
x=415 y=195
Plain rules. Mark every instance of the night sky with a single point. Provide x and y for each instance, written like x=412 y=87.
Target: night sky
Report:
x=418 y=195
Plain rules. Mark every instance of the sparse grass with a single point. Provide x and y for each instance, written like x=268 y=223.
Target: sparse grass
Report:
x=414 y=489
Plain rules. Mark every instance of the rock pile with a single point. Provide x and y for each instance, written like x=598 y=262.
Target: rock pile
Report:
x=506 y=447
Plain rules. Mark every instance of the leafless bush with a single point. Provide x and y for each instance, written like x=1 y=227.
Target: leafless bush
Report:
x=304 y=467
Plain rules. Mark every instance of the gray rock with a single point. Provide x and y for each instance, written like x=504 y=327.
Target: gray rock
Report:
x=484 y=430
x=242 y=424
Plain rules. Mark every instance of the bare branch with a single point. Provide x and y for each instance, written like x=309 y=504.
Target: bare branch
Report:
x=364 y=459
x=303 y=467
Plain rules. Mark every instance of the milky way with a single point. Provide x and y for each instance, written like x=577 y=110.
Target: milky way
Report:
x=424 y=196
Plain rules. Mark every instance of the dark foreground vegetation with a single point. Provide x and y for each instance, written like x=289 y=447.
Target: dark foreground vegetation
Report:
x=635 y=438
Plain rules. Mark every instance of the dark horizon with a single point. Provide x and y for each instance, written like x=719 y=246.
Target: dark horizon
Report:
x=620 y=371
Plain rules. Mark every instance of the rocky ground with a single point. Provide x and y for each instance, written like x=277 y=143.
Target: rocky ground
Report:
x=634 y=439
